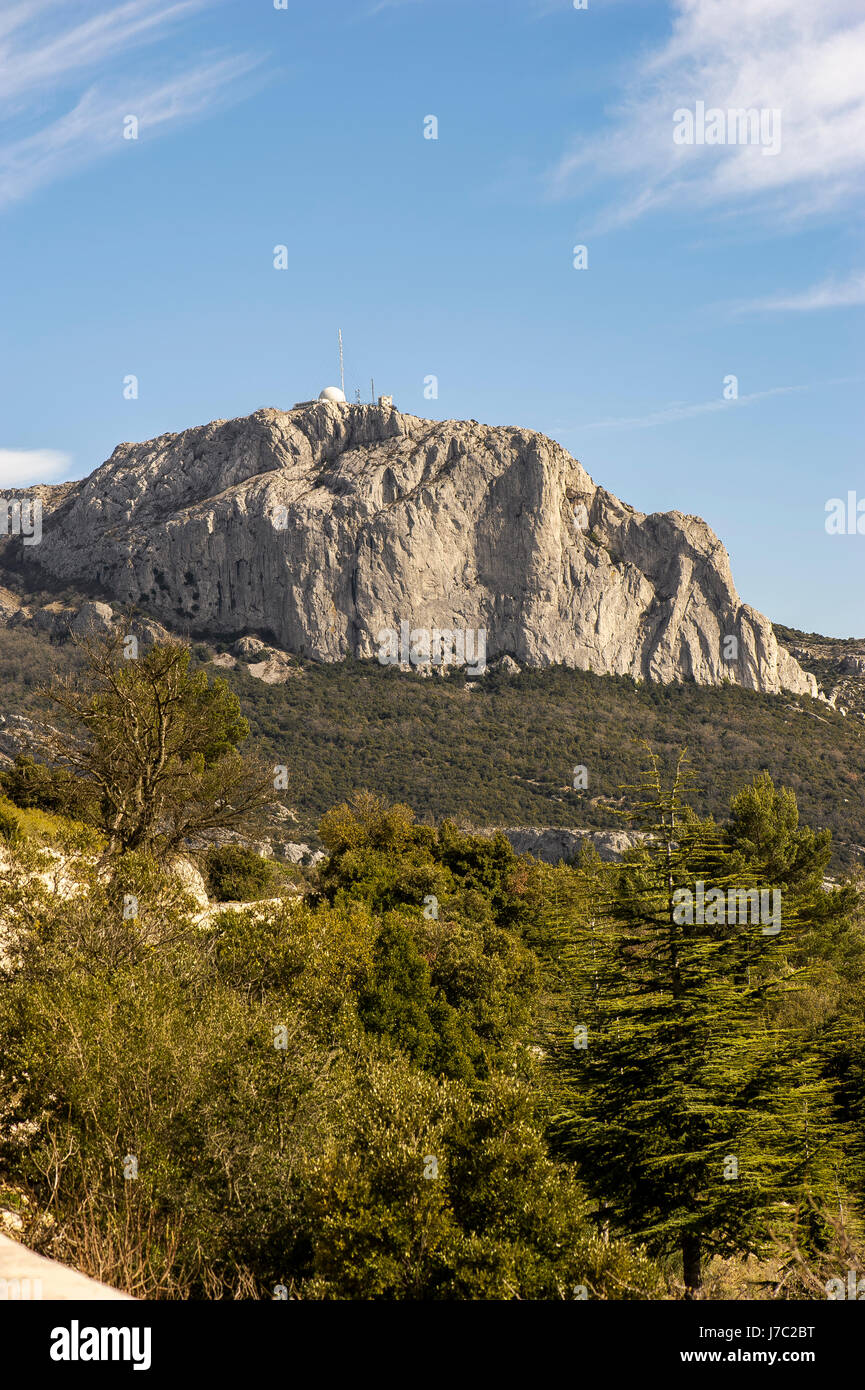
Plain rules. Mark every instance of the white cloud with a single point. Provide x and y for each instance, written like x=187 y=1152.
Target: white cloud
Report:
x=804 y=59
x=680 y=411
x=27 y=64
x=53 y=85
x=24 y=467
x=380 y=5
x=94 y=126
x=830 y=294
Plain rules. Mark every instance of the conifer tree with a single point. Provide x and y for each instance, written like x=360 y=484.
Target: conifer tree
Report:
x=695 y=1119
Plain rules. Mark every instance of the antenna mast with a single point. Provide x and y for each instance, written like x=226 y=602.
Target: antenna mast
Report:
x=341 y=370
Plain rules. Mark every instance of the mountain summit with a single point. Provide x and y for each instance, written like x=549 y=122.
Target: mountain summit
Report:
x=327 y=523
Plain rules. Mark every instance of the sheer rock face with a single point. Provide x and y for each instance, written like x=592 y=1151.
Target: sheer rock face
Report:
x=325 y=524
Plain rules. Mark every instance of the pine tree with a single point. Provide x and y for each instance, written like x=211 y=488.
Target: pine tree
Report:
x=695 y=1119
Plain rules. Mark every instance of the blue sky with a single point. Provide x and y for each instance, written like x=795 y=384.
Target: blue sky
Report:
x=453 y=257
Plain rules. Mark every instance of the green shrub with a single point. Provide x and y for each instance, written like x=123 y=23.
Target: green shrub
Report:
x=238 y=875
x=10 y=826
x=35 y=785
x=275 y=1141
x=354 y=1096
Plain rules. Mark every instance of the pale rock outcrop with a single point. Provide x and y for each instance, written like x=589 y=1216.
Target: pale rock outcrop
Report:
x=508 y=666
x=320 y=526
x=555 y=845
x=191 y=880
x=249 y=648
x=18 y=735
x=275 y=669
x=299 y=854
x=10 y=606
x=54 y=619
x=93 y=618
x=266 y=663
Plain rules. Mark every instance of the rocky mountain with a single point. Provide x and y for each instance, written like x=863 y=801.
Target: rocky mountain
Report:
x=322 y=526
x=837 y=664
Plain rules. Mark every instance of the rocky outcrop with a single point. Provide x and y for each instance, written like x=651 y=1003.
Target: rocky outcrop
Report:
x=265 y=663
x=556 y=845
x=321 y=526
x=293 y=853
x=18 y=735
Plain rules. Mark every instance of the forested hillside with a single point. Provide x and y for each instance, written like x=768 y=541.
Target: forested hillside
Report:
x=501 y=749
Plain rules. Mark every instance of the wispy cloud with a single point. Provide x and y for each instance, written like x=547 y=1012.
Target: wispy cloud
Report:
x=379 y=6
x=805 y=60
x=64 y=92
x=27 y=64
x=680 y=410
x=94 y=126
x=24 y=467
x=829 y=294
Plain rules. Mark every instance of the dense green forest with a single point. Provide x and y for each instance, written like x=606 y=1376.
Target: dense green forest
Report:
x=436 y=1070
x=503 y=752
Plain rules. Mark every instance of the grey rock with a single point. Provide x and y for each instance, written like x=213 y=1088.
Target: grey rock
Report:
x=300 y=853
x=508 y=666
x=18 y=735
x=149 y=632
x=248 y=648
x=265 y=663
x=191 y=879
x=11 y=607
x=275 y=668
x=555 y=845
x=326 y=524
x=92 y=618
x=222 y=836
x=54 y=618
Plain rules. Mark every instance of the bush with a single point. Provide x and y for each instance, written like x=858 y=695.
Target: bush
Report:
x=238 y=875
x=346 y=1097
x=273 y=1141
x=10 y=826
x=35 y=785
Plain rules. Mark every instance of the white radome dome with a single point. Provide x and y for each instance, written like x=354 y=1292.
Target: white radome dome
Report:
x=332 y=393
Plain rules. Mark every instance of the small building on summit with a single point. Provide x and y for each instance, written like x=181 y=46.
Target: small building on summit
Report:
x=333 y=395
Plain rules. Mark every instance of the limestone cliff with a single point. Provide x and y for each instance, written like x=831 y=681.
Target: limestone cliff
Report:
x=322 y=525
